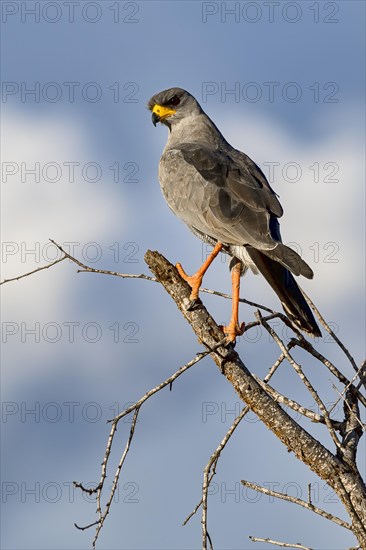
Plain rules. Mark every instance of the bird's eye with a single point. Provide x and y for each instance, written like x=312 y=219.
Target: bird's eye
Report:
x=174 y=101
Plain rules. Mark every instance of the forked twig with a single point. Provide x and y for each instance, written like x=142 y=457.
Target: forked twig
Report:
x=304 y=379
x=330 y=331
x=298 y=501
x=348 y=444
x=133 y=408
x=207 y=476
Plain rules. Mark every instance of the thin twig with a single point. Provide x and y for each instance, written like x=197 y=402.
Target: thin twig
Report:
x=354 y=514
x=35 y=270
x=117 y=274
x=206 y=474
x=89 y=491
x=280 y=398
x=341 y=396
x=136 y=408
x=278 y=543
x=168 y=381
x=304 y=379
x=307 y=346
x=215 y=457
x=275 y=366
x=330 y=331
x=344 y=391
x=197 y=507
x=210 y=469
x=88 y=269
x=253 y=324
x=362 y=372
x=102 y=516
x=299 y=502
x=84 y=527
x=242 y=300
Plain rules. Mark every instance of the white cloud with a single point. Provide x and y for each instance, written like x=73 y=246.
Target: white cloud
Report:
x=69 y=209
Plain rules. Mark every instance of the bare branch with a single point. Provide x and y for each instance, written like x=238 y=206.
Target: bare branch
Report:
x=341 y=396
x=242 y=300
x=314 y=417
x=168 y=381
x=133 y=408
x=35 y=270
x=337 y=473
x=344 y=391
x=207 y=471
x=298 y=501
x=330 y=331
x=304 y=379
x=117 y=274
x=362 y=373
x=275 y=366
x=303 y=343
x=88 y=269
x=102 y=516
x=89 y=491
x=340 y=471
x=83 y=528
x=253 y=324
x=351 y=428
x=356 y=513
x=277 y=543
x=210 y=467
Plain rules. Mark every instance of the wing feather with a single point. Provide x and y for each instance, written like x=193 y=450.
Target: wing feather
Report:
x=227 y=199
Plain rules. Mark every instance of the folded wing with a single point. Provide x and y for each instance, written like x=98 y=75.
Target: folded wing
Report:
x=228 y=199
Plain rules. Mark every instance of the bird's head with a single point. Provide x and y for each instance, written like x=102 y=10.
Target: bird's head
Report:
x=172 y=105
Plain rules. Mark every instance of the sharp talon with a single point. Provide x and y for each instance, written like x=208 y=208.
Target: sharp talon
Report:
x=193 y=304
x=232 y=330
x=230 y=344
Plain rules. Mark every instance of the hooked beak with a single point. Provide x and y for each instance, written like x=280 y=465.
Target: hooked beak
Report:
x=155 y=119
x=160 y=113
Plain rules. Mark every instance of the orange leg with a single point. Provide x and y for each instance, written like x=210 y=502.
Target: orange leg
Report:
x=233 y=329
x=195 y=280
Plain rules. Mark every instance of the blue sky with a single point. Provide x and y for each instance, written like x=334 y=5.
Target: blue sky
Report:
x=284 y=82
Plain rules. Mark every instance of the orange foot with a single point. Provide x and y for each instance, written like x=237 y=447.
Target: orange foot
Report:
x=232 y=330
x=194 y=281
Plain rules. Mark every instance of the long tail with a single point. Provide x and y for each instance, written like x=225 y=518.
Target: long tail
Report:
x=286 y=288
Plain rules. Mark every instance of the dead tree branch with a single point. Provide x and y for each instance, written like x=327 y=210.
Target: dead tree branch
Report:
x=135 y=408
x=339 y=475
x=339 y=469
x=277 y=396
x=298 y=501
x=278 y=543
x=35 y=270
x=303 y=378
x=332 y=333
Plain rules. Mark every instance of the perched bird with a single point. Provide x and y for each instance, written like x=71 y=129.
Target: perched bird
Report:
x=226 y=200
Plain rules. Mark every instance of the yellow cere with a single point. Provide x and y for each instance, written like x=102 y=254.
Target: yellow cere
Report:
x=162 y=111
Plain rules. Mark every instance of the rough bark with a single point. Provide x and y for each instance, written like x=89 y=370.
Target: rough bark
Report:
x=342 y=476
